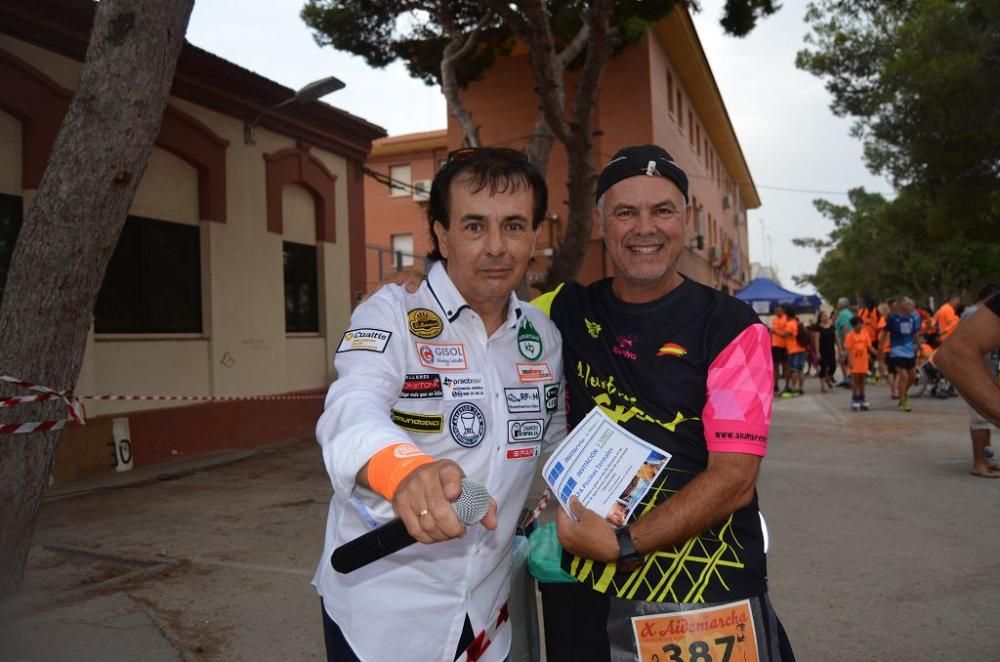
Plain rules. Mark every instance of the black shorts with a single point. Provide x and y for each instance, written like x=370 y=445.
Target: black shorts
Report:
x=779 y=355
x=901 y=362
x=582 y=625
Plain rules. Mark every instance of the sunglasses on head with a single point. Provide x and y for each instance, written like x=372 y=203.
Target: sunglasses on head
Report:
x=468 y=152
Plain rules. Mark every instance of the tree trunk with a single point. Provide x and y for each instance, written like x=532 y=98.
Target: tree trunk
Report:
x=458 y=46
x=577 y=136
x=539 y=145
x=69 y=234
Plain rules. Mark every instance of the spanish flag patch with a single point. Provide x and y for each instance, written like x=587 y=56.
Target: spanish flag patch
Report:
x=672 y=349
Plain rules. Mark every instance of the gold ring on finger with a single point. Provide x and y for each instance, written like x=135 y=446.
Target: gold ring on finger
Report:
x=422 y=512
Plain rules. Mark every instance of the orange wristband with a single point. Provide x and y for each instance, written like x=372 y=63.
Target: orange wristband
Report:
x=391 y=465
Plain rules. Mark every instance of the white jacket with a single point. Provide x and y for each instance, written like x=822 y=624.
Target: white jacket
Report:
x=419 y=367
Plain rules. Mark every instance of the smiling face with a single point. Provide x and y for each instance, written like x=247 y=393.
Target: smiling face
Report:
x=642 y=220
x=488 y=243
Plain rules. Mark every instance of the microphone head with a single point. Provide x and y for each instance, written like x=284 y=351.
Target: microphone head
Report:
x=472 y=503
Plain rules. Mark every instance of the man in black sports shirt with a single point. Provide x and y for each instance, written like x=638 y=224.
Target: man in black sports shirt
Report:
x=688 y=369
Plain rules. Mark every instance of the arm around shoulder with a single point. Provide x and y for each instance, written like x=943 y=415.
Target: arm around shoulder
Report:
x=960 y=359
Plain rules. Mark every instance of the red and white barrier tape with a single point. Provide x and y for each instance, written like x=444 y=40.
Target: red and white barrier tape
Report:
x=543 y=502
x=75 y=411
x=485 y=638
x=203 y=398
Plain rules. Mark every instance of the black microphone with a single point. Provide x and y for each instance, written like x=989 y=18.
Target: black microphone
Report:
x=392 y=536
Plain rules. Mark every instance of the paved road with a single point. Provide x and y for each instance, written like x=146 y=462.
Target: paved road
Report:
x=882 y=548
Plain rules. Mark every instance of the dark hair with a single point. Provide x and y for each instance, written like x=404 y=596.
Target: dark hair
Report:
x=989 y=289
x=499 y=169
x=855 y=321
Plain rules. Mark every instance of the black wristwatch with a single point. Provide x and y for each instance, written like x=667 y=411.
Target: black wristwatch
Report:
x=628 y=558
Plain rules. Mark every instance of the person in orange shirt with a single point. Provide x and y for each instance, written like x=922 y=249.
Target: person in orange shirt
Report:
x=779 y=346
x=859 y=347
x=882 y=340
x=796 y=357
x=946 y=317
x=870 y=318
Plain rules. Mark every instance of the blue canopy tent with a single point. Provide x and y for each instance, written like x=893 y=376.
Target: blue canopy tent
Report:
x=763 y=294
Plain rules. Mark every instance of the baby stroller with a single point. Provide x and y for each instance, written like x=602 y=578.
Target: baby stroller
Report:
x=927 y=376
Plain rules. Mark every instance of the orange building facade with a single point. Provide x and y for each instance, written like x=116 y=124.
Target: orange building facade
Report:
x=660 y=90
x=396 y=229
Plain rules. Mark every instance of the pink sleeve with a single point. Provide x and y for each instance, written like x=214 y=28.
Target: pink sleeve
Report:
x=737 y=412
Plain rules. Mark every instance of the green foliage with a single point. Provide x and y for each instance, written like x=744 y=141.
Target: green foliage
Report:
x=883 y=249
x=414 y=31
x=740 y=16
x=920 y=77
x=383 y=31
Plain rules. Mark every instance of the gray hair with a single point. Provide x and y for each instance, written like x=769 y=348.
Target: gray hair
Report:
x=843 y=302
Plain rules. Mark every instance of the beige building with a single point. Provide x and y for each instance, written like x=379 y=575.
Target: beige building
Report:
x=239 y=263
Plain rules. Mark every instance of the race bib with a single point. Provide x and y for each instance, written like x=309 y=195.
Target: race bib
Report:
x=715 y=634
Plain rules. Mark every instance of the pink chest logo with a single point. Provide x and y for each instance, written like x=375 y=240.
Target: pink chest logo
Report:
x=624 y=347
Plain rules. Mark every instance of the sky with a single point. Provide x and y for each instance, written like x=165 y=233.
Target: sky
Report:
x=781 y=115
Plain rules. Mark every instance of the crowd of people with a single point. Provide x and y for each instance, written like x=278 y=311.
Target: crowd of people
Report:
x=872 y=343
x=889 y=343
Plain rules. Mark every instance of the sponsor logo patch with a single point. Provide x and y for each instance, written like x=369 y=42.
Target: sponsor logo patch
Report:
x=420 y=385
x=441 y=356
x=365 y=340
x=593 y=328
x=414 y=422
x=625 y=347
x=532 y=429
x=467 y=425
x=529 y=342
x=524 y=452
x=464 y=387
x=424 y=323
x=534 y=372
x=672 y=349
x=520 y=400
x=551 y=398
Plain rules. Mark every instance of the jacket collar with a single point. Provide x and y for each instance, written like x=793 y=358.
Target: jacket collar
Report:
x=451 y=301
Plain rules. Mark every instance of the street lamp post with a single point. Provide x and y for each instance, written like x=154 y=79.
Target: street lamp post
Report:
x=311 y=92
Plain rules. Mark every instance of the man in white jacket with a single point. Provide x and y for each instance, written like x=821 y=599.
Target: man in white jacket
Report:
x=458 y=379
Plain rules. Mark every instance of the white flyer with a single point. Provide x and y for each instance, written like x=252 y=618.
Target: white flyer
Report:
x=605 y=466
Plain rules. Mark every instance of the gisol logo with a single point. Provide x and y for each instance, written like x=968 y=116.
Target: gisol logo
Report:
x=441 y=356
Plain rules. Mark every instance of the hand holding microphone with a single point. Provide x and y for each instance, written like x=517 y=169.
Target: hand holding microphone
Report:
x=434 y=504
x=425 y=503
